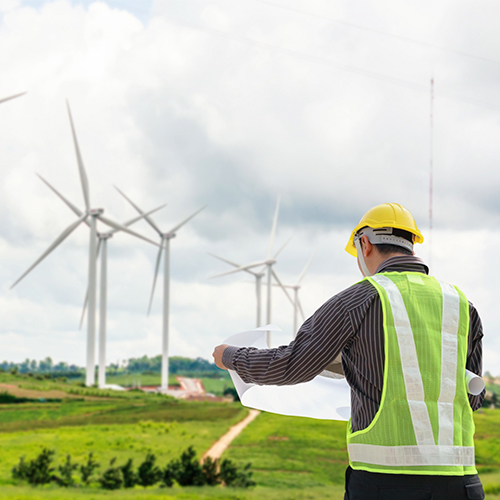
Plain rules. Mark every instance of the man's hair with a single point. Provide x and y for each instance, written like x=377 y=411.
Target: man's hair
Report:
x=385 y=249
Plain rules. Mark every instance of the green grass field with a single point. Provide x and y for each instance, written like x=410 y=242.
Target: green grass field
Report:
x=292 y=458
x=213 y=385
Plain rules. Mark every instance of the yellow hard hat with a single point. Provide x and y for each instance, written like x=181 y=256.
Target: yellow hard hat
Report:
x=386 y=215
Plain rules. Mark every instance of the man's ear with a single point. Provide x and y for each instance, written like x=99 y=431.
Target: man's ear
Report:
x=366 y=246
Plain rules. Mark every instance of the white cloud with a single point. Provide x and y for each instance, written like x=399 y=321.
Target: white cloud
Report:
x=230 y=104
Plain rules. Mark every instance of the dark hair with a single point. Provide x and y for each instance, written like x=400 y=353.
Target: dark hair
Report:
x=385 y=249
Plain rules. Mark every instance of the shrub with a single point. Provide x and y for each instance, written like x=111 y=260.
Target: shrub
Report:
x=231 y=391
x=187 y=470
x=112 y=478
x=66 y=473
x=209 y=469
x=20 y=471
x=129 y=476
x=37 y=471
x=231 y=476
x=87 y=469
x=168 y=475
x=148 y=473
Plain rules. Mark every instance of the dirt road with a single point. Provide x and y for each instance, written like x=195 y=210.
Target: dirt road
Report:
x=220 y=446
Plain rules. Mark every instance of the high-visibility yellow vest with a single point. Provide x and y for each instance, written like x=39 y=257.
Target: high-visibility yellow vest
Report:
x=424 y=424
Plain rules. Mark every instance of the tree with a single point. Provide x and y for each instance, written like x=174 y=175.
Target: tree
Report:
x=87 y=469
x=209 y=469
x=231 y=476
x=112 y=478
x=129 y=476
x=187 y=470
x=148 y=473
x=66 y=473
x=36 y=471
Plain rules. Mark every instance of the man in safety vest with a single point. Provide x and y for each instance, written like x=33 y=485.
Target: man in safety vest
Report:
x=405 y=340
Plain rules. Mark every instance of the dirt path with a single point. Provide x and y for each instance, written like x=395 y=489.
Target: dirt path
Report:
x=220 y=446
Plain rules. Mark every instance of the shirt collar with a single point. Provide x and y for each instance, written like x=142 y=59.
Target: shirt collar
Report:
x=409 y=262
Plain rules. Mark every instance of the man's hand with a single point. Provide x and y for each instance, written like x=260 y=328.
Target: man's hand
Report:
x=217 y=354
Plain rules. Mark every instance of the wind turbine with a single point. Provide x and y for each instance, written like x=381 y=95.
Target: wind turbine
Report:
x=103 y=238
x=90 y=217
x=258 y=284
x=268 y=263
x=11 y=97
x=164 y=245
x=102 y=247
x=297 y=306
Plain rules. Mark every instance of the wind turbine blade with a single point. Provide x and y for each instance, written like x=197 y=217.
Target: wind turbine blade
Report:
x=148 y=219
x=11 y=97
x=307 y=267
x=119 y=227
x=81 y=168
x=157 y=268
x=85 y=302
x=174 y=229
x=273 y=230
x=75 y=209
x=54 y=245
x=139 y=217
x=241 y=268
x=284 y=245
x=282 y=287
x=301 y=310
x=231 y=263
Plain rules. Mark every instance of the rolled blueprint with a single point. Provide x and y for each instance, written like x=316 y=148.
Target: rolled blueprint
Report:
x=325 y=397
x=475 y=384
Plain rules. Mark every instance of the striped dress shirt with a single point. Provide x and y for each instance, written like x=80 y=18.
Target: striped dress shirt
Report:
x=350 y=324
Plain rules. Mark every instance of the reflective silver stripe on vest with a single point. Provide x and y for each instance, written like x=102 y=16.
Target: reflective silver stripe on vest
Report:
x=400 y=456
x=449 y=347
x=426 y=452
x=409 y=363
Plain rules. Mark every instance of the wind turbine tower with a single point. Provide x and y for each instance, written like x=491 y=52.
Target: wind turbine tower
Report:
x=271 y=273
x=164 y=245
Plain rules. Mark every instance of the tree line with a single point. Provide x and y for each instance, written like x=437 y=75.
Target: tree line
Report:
x=177 y=364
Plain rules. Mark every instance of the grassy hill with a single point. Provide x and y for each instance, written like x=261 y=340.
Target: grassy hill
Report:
x=293 y=458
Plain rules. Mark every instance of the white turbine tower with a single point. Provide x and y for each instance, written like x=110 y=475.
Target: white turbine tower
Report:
x=103 y=238
x=268 y=263
x=165 y=245
x=102 y=249
x=297 y=306
x=90 y=217
x=5 y=99
x=258 y=284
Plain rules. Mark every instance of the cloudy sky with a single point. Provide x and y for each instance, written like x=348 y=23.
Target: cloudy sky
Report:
x=231 y=104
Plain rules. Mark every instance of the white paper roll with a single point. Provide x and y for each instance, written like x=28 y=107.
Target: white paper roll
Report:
x=475 y=384
x=323 y=397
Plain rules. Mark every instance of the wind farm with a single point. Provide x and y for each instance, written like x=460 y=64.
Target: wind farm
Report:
x=280 y=119
x=98 y=249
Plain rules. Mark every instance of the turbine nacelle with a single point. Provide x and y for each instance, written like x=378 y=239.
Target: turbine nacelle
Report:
x=96 y=211
x=104 y=236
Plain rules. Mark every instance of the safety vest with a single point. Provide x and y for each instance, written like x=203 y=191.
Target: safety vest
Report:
x=424 y=424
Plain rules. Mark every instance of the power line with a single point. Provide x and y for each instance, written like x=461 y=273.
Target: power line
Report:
x=380 y=32
x=328 y=62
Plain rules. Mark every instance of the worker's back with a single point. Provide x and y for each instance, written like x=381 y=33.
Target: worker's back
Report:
x=424 y=424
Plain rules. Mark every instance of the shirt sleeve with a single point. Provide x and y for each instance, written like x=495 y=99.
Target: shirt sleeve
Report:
x=318 y=342
x=475 y=353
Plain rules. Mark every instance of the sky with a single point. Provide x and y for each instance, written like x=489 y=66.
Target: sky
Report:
x=230 y=105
